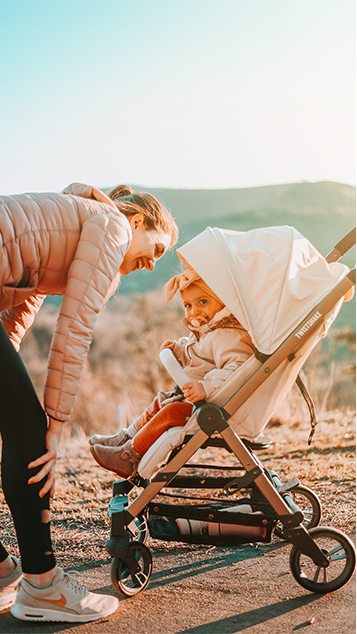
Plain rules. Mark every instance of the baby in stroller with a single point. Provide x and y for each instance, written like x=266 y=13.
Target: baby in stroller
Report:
x=216 y=347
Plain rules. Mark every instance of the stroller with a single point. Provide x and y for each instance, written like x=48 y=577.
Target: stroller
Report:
x=286 y=295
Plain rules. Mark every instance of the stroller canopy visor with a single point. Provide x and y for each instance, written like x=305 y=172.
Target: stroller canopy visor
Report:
x=269 y=278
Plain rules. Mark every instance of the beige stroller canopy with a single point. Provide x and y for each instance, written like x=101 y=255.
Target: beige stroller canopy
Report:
x=268 y=278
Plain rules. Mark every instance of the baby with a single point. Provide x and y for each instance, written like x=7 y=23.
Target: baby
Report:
x=216 y=347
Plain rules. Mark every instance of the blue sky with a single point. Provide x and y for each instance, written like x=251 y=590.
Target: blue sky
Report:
x=176 y=93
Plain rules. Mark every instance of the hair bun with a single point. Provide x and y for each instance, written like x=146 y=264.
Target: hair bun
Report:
x=119 y=191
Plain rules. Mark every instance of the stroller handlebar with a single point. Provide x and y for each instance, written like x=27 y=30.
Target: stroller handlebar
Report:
x=342 y=247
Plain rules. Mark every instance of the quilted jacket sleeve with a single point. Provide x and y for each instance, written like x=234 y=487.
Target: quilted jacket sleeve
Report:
x=100 y=252
x=86 y=191
x=18 y=319
x=180 y=350
x=229 y=352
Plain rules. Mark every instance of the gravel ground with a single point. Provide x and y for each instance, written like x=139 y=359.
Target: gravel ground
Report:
x=192 y=588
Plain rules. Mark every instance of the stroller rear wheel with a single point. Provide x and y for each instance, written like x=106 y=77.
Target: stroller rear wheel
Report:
x=308 y=503
x=123 y=579
x=340 y=552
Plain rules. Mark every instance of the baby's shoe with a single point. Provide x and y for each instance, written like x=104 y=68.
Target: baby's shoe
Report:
x=122 y=460
x=9 y=586
x=110 y=441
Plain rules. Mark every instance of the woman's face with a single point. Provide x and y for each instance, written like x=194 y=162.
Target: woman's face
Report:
x=145 y=248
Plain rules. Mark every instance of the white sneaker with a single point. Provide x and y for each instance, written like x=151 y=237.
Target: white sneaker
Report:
x=8 y=592
x=65 y=600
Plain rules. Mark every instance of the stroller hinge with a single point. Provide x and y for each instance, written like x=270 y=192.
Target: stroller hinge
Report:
x=163 y=477
x=119 y=522
x=305 y=543
x=292 y=519
x=260 y=356
x=211 y=418
x=242 y=482
x=119 y=548
x=121 y=487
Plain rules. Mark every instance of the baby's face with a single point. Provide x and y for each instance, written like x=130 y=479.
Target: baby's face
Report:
x=199 y=307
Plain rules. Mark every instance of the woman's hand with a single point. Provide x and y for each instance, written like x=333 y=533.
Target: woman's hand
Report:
x=194 y=392
x=167 y=344
x=48 y=460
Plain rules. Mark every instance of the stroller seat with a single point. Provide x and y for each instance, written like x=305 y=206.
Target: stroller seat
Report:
x=261 y=443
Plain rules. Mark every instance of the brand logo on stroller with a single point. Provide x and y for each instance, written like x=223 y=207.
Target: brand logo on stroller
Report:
x=308 y=325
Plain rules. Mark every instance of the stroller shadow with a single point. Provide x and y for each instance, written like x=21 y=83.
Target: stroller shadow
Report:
x=224 y=559
x=240 y=622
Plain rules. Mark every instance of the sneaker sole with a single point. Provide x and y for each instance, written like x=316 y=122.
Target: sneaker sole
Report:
x=24 y=613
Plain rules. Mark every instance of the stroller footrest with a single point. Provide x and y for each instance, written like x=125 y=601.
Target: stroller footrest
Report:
x=288 y=485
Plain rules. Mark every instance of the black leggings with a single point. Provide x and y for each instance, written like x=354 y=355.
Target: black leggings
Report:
x=23 y=426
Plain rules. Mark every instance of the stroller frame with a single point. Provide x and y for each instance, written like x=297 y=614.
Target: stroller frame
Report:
x=129 y=557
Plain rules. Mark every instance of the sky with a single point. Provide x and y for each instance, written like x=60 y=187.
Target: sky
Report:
x=176 y=93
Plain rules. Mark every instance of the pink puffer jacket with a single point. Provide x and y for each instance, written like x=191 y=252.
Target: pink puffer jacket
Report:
x=69 y=244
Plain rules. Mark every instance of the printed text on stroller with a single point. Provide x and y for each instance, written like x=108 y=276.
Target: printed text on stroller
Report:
x=308 y=324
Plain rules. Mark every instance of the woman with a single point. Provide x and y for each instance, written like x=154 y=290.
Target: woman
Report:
x=75 y=244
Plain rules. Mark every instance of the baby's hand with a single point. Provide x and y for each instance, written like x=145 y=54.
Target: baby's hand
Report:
x=167 y=344
x=194 y=392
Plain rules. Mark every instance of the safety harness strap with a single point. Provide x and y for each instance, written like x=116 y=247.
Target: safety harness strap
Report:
x=309 y=402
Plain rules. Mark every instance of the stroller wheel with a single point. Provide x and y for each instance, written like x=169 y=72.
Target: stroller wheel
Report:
x=126 y=582
x=139 y=529
x=308 y=503
x=340 y=552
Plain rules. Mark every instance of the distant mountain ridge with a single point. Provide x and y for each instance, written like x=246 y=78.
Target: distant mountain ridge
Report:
x=323 y=212
x=302 y=197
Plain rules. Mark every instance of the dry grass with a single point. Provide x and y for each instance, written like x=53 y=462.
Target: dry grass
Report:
x=79 y=510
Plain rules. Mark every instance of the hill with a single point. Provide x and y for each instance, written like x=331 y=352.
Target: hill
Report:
x=323 y=212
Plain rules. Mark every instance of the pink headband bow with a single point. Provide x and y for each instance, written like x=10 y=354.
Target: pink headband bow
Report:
x=180 y=282
x=185 y=279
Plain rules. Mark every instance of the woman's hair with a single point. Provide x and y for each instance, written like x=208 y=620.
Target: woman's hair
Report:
x=156 y=216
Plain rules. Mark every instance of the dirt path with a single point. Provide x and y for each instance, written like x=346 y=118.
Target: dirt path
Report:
x=200 y=589
x=214 y=591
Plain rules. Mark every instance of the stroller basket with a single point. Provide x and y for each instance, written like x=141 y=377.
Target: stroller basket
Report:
x=267 y=505
x=212 y=524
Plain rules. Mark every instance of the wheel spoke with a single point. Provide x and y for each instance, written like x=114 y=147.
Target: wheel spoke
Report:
x=335 y=550
x=141 y=579
x=342 y=556
x=334 y=557
x=317 y=574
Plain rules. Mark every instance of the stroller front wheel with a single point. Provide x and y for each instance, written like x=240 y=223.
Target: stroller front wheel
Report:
x=340 y=552
x=123 y=579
